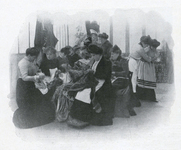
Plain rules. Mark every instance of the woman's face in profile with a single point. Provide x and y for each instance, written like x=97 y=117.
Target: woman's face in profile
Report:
x=96 y=57
x=94 y=38
x=101 y=40
x=144 y=45
x=50 y=55
x=146 y=49
x=114 y=56
x=32 y=58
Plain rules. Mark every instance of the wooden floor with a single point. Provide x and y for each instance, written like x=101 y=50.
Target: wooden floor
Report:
x=151 y=128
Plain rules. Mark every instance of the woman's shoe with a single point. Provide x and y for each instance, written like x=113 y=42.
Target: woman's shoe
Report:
x=122 y=114
x=76 y=123
x=132 y=112
x=155 y=101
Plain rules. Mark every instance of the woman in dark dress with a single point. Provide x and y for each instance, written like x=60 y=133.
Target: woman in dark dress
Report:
x=34 y=107
x=82 y=112
x=70 y=55
x=121 y=85
x=49 y=61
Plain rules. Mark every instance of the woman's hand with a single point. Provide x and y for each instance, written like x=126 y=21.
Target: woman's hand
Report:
x=41 y=76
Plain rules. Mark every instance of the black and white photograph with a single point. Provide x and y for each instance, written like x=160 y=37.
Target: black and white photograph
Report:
x=91 y=75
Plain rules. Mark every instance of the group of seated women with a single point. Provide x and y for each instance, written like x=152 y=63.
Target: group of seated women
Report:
x=81 y=86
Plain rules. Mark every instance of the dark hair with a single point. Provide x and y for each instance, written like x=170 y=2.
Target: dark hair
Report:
x=76 y=48
x=94 y=49
x=86 y=54
x=50 y=49
x=116 y=49
x=66 y=50
x=154 y=43
x=32 y=51
x=87 y=41
x=145 y=39
x=103 y=35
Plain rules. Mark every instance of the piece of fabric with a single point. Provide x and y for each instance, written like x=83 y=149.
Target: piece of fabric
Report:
x=84 y=96
x=65 y=94
x=62 y=102
x=44 y=35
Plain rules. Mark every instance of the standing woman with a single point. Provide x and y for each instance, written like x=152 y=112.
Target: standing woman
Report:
x=146 y=74
x=133 y=64
x=82 y=109
x=105 y=45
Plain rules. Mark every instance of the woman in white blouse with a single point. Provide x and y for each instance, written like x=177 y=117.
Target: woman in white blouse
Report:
x=34 y=109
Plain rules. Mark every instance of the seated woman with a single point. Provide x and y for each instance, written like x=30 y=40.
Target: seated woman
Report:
x=83 y=63
x=49 y=65
x=34 y=108
x=120 y=81
x=82 y=111
x=70 y=54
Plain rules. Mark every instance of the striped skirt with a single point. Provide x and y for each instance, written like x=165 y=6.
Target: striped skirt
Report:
x=146 y=75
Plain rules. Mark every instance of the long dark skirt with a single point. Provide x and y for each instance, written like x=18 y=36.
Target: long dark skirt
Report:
x=107 y=104
x=35 y=109
x=81 y=111
x=85 y=112
x=122 y=100
x=145 y=94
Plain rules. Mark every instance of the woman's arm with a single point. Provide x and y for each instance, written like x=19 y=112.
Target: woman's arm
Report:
x=24 y=73
x=157 y=54
x=143 y=55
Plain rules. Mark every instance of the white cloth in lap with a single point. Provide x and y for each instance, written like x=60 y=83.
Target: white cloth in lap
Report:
x=84 y=95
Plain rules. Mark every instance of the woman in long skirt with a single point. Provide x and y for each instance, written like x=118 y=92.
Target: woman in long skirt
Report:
x=83 y=110
x=146 y=74
x=35 y=109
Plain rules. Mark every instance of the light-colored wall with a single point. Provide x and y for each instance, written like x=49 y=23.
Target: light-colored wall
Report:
x=155 y=26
